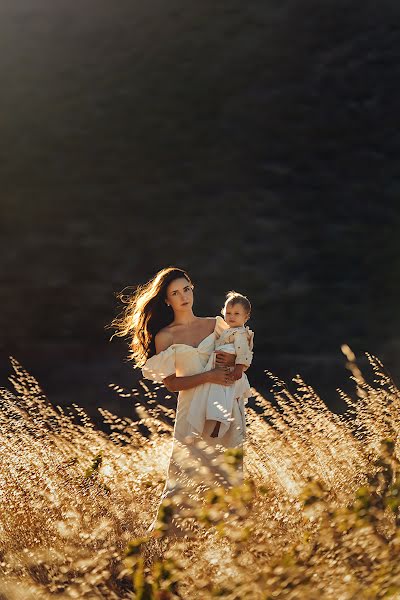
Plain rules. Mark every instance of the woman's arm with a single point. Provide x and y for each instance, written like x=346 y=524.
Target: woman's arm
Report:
x=177 y=384
x=173 y=383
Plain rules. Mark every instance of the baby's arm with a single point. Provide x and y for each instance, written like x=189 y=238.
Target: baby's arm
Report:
x=238 y=371
x=244 y=355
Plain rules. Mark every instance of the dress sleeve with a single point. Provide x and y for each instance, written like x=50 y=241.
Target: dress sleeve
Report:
x=160 y=365
x=244 y=347
x=220 y=326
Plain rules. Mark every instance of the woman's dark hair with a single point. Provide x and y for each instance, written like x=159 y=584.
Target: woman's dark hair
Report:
x=146 y=313
x=233 y=297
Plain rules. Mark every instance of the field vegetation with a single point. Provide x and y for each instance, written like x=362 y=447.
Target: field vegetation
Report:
x=317 y=515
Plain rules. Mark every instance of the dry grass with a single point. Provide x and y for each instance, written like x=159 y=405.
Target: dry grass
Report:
x=317 y=517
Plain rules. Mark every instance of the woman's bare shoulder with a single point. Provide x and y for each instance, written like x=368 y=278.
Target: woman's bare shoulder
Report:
x=163 y=339
x=208 y=318
x=211 y=322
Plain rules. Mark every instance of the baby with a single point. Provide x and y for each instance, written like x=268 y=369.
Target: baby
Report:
x=210 y=410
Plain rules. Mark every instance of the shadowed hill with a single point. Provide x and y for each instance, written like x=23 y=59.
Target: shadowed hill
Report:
x=254 y=145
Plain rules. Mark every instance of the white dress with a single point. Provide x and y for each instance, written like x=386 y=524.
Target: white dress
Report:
x=213 y=402
x=192 y=467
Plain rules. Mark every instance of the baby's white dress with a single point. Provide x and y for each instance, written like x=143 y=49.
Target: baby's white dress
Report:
x=214 y=402
x=188 y=457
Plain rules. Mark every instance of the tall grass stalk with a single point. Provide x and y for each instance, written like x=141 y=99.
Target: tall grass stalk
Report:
x=316 y=517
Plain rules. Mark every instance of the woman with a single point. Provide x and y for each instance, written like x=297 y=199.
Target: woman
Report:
x=172 y=346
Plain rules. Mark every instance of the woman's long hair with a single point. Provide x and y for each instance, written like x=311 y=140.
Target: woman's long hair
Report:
x=146 y=313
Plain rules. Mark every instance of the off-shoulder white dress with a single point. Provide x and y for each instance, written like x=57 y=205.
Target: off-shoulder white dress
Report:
x=189 y=457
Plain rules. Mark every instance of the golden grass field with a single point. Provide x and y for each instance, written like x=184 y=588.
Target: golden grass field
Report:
x=316 y=518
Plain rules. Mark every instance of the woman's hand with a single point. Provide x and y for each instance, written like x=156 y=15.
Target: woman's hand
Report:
x=222 y=376
x=224 y=359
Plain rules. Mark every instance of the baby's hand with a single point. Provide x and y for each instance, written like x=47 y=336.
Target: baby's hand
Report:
x=238 y=372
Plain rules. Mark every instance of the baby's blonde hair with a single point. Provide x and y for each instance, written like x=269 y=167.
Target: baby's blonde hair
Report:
x=233 y=297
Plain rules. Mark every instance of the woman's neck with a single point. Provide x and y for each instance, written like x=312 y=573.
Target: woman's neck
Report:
x=184 y=318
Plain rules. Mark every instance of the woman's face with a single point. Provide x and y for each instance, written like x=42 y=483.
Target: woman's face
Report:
x=180 y=294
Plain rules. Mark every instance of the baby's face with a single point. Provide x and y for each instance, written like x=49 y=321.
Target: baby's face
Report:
x=235 y=315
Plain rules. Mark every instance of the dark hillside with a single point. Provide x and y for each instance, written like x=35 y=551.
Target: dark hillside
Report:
x=255 y=144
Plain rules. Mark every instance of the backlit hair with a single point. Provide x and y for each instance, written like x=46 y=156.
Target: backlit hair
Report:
x=146 y=314
x=233 y=297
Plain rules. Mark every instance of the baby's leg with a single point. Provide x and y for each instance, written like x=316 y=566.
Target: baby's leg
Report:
x=215 y=431
x=210 y=427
